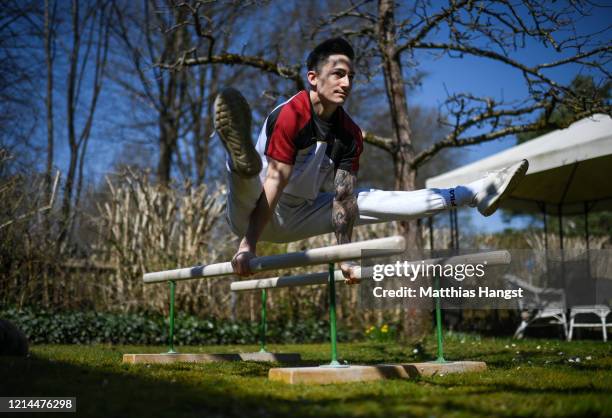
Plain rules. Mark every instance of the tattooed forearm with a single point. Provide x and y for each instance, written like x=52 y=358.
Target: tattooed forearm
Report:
x=344 y=211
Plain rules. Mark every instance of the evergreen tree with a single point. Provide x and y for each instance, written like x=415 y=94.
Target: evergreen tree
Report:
x=583 y=87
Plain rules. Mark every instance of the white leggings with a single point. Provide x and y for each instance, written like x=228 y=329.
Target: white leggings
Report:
x=296 y=218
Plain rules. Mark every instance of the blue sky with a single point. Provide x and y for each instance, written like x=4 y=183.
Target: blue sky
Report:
x=487 y=77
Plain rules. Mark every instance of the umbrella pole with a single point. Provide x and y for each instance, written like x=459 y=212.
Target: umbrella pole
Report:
x=586 y=236
x=545 y=227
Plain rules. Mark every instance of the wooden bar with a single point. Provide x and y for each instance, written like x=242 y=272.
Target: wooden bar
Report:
x=490 y=258
x=324 y=255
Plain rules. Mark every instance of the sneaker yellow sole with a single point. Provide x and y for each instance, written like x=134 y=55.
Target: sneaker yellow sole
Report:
x=233 y=123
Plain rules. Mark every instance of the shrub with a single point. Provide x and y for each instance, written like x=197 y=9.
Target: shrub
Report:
x=87 y=327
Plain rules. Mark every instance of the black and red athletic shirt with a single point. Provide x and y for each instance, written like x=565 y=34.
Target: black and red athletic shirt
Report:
x=292 y=126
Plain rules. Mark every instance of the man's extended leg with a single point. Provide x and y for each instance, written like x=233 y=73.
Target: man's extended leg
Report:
x=484 y=194
x=300 y=219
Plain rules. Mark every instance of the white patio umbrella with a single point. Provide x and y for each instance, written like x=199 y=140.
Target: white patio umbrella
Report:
x=569 y=170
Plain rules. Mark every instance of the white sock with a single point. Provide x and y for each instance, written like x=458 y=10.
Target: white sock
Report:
x=461 y=195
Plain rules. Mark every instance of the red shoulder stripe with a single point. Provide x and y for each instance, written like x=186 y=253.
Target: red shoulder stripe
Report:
x=294 y=115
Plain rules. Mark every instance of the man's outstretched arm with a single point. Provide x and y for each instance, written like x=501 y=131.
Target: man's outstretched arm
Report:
x=277 y=177
x=344 y=214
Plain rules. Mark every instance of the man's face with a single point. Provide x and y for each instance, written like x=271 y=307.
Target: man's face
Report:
x=334 y=80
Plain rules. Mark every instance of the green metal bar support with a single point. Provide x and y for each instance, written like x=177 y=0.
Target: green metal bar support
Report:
x=263 y=326
x=172 y=284
x=440 y=358
x=332 y=314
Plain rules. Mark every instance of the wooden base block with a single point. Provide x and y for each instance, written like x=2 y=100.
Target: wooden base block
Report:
x=432 y=368
x=272 y=357
x=208 y=358
x=178 y=357
x=327 y=375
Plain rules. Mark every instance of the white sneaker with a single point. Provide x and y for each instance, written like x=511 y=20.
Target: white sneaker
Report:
x=233 y=123
x=497 y=185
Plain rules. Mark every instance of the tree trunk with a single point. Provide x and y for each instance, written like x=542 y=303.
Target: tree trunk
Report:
x=100 y=64
x=172 y=96
x=166 y=149
x=49 y=41
x=70 y=119
x=415 y=323
x=49 y=97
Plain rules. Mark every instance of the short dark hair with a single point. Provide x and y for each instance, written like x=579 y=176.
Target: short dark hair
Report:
x=321 y=52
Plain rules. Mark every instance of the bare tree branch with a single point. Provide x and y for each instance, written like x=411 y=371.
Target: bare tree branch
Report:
x=452 y=141
x=288 y=72
x=535 y=71
x=431 y=23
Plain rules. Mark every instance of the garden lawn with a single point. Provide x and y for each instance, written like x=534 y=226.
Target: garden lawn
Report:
x=525 y=378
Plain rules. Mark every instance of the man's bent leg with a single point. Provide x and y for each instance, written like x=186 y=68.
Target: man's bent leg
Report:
x=233 y=124
x=242 y=196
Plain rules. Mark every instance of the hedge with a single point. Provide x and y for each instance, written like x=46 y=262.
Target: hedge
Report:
x=86 y=327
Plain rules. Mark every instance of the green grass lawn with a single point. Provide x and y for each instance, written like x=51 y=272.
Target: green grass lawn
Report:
x=525 y=378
